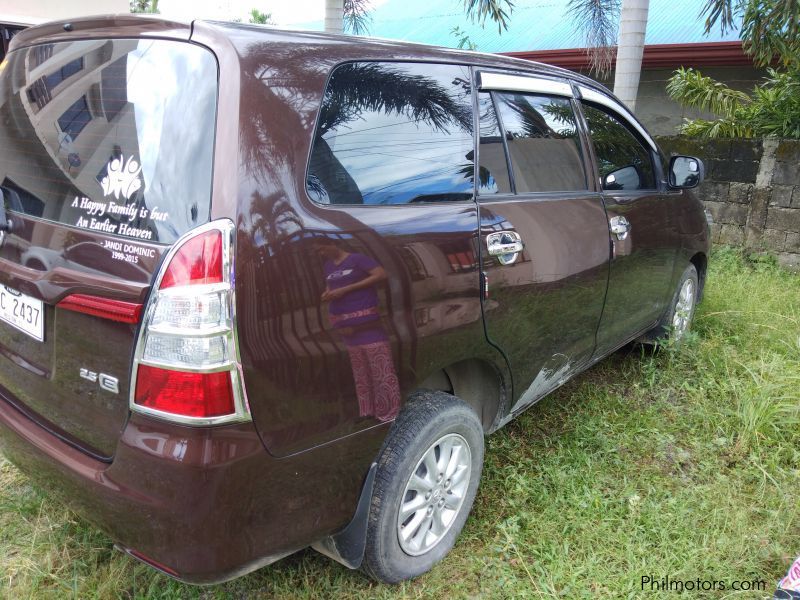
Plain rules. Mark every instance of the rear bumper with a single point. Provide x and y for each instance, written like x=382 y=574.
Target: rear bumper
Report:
x=204 y=504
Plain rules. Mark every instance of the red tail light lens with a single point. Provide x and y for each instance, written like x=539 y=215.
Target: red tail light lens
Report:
x=183 y=393
x=199 y=260
x=186 y=364
x=114 y=310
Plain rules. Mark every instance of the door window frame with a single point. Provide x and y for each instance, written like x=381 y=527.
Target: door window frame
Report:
x=631 y=124
x=494 y=81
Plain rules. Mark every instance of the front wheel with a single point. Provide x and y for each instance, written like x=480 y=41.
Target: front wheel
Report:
x=427 y=478
x=678 y=319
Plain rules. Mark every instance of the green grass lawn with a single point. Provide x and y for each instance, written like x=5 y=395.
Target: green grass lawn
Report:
x=684 y=463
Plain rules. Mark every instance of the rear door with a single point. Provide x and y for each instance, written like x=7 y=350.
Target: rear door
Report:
x=105 y=160
x=544 y=235
x=643 y=236
x=389 y=191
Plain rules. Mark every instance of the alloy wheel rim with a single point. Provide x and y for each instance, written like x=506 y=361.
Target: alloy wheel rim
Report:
x=683 y=309
x=434 y=494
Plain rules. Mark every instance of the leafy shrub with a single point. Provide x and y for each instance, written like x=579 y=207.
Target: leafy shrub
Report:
x=773 y=109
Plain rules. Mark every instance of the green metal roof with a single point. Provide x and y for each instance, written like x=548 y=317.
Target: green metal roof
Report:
x=535 y=25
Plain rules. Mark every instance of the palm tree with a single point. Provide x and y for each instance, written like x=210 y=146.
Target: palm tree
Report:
x=334 y=16
x=769 y=28
x=633 y=25
x=598 y=20
x=354 y=13
x=770 y=33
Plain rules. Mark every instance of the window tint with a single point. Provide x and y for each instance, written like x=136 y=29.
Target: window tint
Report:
x=624 y=162
x=543 y=142
x=493 y=168
x=113 y=136
x=393 y=133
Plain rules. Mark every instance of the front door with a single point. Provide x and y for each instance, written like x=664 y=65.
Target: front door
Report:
x=544 y=235
x=640 y=222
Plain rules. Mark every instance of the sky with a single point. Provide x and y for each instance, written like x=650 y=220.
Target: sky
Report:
x=283 y=13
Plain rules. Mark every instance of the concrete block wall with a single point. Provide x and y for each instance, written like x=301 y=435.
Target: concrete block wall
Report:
x=752 y=190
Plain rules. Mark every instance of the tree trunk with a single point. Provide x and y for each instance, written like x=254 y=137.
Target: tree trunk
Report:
x=633 y=24
x=334 y=11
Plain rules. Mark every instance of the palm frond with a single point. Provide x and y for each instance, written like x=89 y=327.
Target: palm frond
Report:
x=722 y=12
x=464 y=41
x=776 y=105
x=379 y=87
x=693 y=89
x=771 y=28
x=144 y=6
x=717 y=128
x=598 y=21
x=260 y=18
x=357 y=16
x=498 y=11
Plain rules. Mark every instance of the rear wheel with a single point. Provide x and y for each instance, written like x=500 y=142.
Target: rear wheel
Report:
x=426 y=482
x=678 y=319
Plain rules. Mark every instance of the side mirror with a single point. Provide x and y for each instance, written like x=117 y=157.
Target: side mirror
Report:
x=626 y=178
x=685 y=172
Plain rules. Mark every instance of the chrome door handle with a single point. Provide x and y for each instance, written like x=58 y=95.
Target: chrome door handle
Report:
x=511 y=248
x=505 y=245
x=620 y=227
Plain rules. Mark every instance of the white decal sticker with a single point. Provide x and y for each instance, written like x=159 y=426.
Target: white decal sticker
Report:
x=122 y=178
x=129 y=253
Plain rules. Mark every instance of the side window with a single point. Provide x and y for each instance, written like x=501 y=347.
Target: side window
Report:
x=492 y=165
x=393 y=133
x=624 y=162
x=543 y=142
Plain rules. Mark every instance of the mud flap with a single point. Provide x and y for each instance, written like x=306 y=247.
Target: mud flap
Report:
x=347 y=546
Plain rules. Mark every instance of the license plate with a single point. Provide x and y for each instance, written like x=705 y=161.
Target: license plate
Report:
x=23 y=312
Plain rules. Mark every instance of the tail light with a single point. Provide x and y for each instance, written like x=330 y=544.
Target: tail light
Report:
x=186 y=365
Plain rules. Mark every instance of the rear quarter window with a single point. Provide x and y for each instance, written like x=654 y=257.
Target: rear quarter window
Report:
x=393 y=133
x=113 y=136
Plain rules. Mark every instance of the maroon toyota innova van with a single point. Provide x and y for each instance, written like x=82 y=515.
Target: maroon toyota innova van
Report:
x=261 y=290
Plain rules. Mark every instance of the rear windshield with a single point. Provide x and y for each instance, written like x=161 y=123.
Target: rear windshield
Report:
x=112 y=136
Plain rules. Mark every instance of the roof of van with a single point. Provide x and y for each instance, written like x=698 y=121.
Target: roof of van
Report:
x=244 y=36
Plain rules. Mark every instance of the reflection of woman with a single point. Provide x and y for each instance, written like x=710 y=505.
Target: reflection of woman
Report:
x=351 y=289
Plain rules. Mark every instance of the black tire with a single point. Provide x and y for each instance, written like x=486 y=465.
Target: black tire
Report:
x=427 y=418
x=665 y=329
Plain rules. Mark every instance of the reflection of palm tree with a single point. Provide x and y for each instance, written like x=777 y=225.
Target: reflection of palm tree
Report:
x=533 y=124
x=375 y=87
x=607 y=136
x=277 y=81
x=280 y=84
x=359 y=88
x=274 y=217
x=356 y=88
x=611 y=139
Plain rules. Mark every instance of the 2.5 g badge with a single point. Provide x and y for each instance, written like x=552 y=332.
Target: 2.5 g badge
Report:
x=106 y=382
